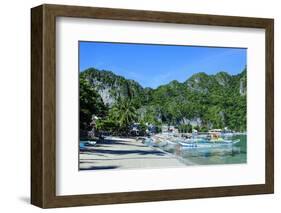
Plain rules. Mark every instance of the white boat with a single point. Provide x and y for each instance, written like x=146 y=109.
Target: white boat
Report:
x=194 y=140
x=90 y=143
x=209 y=144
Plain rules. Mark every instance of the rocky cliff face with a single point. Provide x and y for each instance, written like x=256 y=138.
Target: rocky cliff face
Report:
x=111 y=87
x=243 y=85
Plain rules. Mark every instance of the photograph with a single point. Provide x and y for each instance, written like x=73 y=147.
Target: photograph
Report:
x=151 y=106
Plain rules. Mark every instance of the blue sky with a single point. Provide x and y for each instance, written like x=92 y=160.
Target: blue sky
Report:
x=155 y=65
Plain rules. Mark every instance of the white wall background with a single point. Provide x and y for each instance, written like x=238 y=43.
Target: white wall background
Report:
x=15 y=104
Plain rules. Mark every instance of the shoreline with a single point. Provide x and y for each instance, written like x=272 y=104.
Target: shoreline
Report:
x=156 y=151
x=125 y=153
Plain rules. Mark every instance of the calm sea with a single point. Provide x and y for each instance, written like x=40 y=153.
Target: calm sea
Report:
x=235 y=154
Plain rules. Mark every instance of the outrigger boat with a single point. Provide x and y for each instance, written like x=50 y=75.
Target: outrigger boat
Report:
x=209 y=144
x=192 y=140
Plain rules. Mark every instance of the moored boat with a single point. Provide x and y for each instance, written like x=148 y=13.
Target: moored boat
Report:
x=209 y=144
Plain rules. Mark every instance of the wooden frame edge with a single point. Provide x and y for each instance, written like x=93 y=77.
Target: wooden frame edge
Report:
x=269 y=118
x=36 y=106
x=43 y=104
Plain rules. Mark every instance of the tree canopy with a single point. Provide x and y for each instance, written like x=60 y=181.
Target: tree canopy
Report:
x=217 y=101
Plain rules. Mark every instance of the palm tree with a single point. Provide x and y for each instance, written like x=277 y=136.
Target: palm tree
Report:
x=125 y=114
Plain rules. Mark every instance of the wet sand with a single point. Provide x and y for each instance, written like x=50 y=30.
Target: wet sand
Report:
x=124 y=153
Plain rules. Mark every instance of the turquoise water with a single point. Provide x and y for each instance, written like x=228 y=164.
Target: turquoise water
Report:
x=235 y=154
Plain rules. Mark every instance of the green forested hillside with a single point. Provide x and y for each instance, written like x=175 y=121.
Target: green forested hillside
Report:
x=206 y=101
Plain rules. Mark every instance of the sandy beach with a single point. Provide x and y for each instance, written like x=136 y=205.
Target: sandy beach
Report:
x=119 y=153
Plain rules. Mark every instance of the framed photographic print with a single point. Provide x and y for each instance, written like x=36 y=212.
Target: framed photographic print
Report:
x=137 y=106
